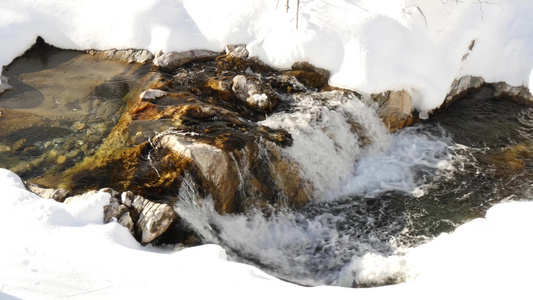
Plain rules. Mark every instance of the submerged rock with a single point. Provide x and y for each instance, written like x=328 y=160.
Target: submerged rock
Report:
x=127 y=55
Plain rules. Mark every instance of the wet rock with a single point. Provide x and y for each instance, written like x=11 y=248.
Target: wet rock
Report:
x=395 y=109
x=309 y=75
x=519 y=94
x=127 y=55
x=56 y=194
x=219 y=174
x=19 y=145
x=462 y=87
x=253 y=92
x=3 y=85
x=173 y=60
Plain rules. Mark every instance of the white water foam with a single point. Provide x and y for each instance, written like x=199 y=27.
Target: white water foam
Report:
x=329 y=131
x=344 y=148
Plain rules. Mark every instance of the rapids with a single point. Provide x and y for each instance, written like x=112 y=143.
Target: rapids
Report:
x=402 y=191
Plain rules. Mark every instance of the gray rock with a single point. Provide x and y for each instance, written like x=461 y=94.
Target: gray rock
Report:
x=128 y=55
x=463 y=86
x=56 y=194
x=3 y=85
x=114 y=211
x=154 y=220
x=173 y=60
x=127 y=198
x=152 y=94
x=515 y=93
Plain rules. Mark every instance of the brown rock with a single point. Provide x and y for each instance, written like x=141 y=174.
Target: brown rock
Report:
x=395 y=109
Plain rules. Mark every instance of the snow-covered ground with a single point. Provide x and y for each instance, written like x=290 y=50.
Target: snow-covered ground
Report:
x=54 y=250
x=368 y=45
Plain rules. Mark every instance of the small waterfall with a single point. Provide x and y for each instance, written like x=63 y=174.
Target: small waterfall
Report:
x=347 y=153
x=330 y=132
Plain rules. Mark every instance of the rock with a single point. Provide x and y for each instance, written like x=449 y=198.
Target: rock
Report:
x=114 y=211
x=395 y=109
x=126 y=198
x=213 y=164
x=154 y=220
x=61 y=160
x=251 y=91
x=152 y=94
x=462 y=87
x=126 y=221
x=309 y=75
x=19 y=145
x=173 y=60
x=78 y=198
x=56 y=194
x=127 y=55
x=79 y=126
x=145 y=219
x=520 y=94
x=3 y=84
x=237 y=51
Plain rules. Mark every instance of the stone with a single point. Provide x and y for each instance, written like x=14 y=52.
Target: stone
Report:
x=520 y=94
x=154 y=220
x=61 y=160
x=213 y=164
x=114 y=211
x=126 y=198
x=237 y=51
x=57 y=194
x=78 y=198
x=251 y=91
x=395 y=109
x=19 y=145
x=462 y=87
x=173 y=60
x=4 y=86
x=309 y=75
x=127 y=55
x=152 y=94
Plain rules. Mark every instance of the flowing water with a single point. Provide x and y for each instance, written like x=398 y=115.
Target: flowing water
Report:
x=398 y=192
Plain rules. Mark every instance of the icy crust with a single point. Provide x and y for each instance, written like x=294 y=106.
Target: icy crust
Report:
x=54 y=250
x=420 y=46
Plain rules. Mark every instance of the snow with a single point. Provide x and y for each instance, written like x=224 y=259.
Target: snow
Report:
x=53 y=250
x=420 y=46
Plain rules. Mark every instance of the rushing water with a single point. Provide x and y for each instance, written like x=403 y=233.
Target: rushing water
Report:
x=400 y=192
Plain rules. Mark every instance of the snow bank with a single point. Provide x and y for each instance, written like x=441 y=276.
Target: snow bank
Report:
x=54 y=250
x=371 y=46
